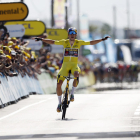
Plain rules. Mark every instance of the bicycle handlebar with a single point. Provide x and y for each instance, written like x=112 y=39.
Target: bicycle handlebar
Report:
x=67 y=77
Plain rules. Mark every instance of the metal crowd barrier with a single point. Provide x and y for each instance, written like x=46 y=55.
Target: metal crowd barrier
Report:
x=17 y=87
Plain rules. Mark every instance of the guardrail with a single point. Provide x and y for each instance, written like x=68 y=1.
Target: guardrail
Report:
x=15 y=88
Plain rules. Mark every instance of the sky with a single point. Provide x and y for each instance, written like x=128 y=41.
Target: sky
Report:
x=101 y=10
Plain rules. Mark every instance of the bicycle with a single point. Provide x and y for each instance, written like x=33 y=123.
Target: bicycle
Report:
x=66 y=100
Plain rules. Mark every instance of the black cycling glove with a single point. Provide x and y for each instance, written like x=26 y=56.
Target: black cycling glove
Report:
x=105 y=38
x=38 y=39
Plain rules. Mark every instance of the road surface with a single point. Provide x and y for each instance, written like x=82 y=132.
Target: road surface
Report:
x=104 y=115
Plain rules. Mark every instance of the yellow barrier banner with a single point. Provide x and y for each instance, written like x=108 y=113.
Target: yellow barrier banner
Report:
x=13 y=11
x=57 y=34
x=32 y=28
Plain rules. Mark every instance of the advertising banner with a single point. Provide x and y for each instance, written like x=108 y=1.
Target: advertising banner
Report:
x=32 y=28
x=57 y=48
x=57 y=34
x=16 y=30
x=34 y=45
x=59 y=13
x=84 y=27
x=13 y=11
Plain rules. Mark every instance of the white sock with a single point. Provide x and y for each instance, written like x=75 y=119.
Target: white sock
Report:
x=59 y=99
x=73 y=89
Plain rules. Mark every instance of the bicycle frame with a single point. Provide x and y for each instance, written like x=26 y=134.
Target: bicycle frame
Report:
x=65 y=101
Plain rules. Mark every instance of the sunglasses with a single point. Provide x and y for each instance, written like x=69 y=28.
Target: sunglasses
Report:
x=72 y=32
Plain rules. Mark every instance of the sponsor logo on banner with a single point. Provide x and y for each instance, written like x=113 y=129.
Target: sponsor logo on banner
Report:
x=16 y=30
x=32 y=28
x=59 y=13
x=13 y=11
x=34 y=45
x=57 y=34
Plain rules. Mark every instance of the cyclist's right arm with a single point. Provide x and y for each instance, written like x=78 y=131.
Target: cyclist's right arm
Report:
x=48 y=41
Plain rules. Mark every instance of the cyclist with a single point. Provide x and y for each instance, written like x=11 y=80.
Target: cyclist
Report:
x=70 y=60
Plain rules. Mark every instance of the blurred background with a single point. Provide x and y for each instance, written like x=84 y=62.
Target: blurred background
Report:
x=107 y=99
x=114 y=60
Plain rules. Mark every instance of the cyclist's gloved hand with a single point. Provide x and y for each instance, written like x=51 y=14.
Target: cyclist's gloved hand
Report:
x=38 y=39
x=105 y=38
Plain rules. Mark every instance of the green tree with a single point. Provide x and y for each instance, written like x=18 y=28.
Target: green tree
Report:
x=93 y=28
x=106 y=29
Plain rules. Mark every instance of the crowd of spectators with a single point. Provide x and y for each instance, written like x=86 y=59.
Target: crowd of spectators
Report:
x=17 y=58
x=116 y=72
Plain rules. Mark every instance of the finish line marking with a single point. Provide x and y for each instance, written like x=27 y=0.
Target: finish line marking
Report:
x=24 y=109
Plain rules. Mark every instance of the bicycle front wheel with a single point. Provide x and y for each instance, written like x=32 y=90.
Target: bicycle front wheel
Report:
x=64 y=108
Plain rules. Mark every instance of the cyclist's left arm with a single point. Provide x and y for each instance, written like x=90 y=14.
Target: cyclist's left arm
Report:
x=93 y=42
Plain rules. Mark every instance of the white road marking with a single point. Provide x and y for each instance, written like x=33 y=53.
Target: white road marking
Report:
x=135 y=120
x=137 y=111
x=24 y=109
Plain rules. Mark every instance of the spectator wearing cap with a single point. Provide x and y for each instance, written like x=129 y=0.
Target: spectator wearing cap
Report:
x=6 y=50
x=10 y=43
x=14 y=39
x=13 y=55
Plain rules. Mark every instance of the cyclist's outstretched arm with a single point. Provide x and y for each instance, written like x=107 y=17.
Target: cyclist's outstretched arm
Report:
x=93 y=42
x=48 y=41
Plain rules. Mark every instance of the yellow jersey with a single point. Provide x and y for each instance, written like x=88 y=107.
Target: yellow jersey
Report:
x=71 y=53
